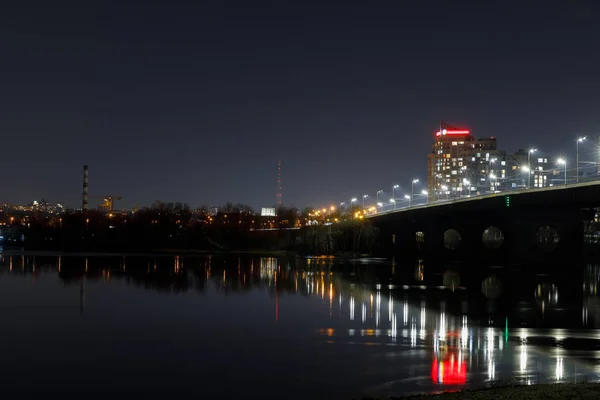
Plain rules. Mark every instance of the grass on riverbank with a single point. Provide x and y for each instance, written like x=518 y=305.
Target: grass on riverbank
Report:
x=533 y=392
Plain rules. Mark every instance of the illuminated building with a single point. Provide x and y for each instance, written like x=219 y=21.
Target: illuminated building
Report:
x=460 y=163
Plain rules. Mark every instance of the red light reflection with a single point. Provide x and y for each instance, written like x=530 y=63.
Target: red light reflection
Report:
x=449 y=372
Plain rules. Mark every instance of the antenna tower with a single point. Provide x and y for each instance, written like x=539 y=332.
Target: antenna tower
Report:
x=279 y=188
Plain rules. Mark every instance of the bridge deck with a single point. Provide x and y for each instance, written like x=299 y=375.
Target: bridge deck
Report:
x=516 y=192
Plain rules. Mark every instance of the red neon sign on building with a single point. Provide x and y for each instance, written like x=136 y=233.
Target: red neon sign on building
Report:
x=448 y=132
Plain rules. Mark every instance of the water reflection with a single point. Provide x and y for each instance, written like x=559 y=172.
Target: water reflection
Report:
x=446 y=332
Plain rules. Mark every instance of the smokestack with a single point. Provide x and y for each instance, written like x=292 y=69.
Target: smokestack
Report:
x=85 y=189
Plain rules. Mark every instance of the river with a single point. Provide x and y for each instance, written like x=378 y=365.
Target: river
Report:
x=241 y=327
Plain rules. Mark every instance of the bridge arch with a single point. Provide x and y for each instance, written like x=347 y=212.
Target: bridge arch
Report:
x=452 y=239
x=492 y=237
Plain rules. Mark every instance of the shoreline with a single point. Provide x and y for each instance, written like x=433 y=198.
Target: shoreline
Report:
x=521 y=392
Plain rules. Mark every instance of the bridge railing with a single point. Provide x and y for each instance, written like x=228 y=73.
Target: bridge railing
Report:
x=558 y=182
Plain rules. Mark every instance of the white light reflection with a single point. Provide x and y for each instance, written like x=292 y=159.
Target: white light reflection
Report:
x=364 y=313
x=559 y=368
x=490 y=341
x=352 y=308
x=523 y=358
x=405 y=313
x=390 y=307
x=413 y=335
x=378 y=312
x=464 y=337
x=423 y=321
x=394 y=327
x=491 y=369
x=442 y=326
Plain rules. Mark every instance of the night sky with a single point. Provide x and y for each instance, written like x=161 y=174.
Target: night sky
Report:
x=194 y=101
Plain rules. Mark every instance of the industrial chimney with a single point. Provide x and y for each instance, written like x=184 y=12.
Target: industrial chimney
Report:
x=85 y=189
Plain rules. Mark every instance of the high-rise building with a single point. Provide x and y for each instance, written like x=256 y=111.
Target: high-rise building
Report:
x=460 y=164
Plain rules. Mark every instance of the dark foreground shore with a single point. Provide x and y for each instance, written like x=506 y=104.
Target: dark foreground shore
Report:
x=534 y=392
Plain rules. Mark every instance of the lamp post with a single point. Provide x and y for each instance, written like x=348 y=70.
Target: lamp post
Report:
x=426 y=194
x=529 y=153
x=468 y=183
x=393 y=201
x=562 y=161
x=492 y=178
x=490 y=171
x=579 y=140
x=526 y=169
x=394 y=191
x=378 y=193
x=407 y=197
x=412 y=188
x=445 y=189
x=364 y=197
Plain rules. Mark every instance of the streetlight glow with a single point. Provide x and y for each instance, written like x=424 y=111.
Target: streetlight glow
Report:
x=562 y=161
x=579 y=140
x=412 y=188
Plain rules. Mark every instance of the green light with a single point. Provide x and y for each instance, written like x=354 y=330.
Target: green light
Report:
x=506 y=330
x=507 y=201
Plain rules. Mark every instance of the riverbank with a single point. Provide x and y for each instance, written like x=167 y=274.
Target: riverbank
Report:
x=533 y=392
x=154 y=253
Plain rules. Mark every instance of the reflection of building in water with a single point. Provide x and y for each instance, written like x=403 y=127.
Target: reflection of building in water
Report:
x=546 y=295
x=420 y=271
x=449 y=370
x=491 y=287
x=591 y=300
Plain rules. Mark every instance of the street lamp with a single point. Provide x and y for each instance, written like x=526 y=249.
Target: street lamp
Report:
x=492 y=178
x=364 y=197
x=393 y=201
x=407 y=197
x=394 y=191
x=562 y=161
x=380 y=205
x=529 y=153
x=412 y=188
x=468 y=183
x=526 y=169
x=579 y=140
x=379 y=191
x=426 y=194
x=445 y=189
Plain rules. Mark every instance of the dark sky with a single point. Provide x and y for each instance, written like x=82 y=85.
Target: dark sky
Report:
x=195 y=100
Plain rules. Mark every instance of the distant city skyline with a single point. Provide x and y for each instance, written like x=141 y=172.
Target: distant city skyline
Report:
x=196 y=102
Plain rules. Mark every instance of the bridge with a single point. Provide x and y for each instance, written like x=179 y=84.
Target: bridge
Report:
x=539 y=223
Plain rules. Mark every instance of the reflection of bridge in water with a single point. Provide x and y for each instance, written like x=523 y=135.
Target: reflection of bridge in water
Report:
x=518 y=292
x=464 y=320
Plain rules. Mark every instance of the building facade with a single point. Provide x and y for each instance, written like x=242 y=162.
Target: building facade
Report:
x=462 y=165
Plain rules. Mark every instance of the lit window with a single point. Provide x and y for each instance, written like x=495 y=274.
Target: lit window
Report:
x=454 y=143
x=502 y=162
x=540 y=160
x=454 y=172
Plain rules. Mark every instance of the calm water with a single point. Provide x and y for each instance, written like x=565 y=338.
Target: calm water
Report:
x=291 y=328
